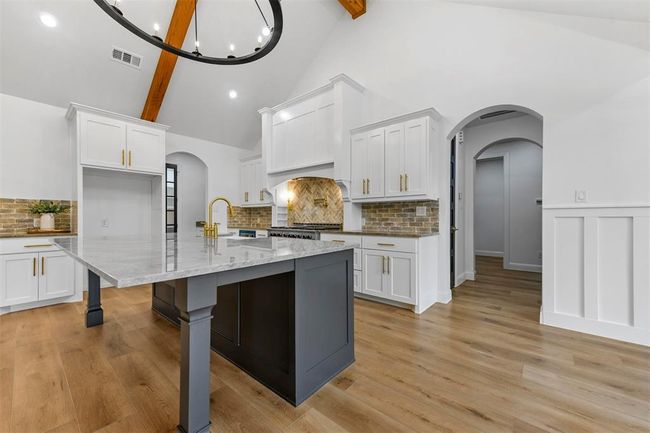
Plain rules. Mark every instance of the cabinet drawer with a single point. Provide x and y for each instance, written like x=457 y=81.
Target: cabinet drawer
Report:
x=26 y=245
x=386 y=243
x=351 y=240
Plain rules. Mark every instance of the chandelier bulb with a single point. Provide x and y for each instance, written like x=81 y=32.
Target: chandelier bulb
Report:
x=266 y=31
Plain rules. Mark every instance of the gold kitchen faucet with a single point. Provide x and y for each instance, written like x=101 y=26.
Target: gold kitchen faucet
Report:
x=211 y=230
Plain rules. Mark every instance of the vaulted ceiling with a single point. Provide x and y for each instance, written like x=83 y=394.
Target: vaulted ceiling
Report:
x=72 y=62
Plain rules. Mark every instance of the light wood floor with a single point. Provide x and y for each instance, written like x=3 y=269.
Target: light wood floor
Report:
x=479 y=364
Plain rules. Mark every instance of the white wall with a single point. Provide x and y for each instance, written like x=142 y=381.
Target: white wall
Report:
x=192 y=195
x=522 y=168
x=590 y=84
x=489 y=215
x=222 y=164
x=35 y=154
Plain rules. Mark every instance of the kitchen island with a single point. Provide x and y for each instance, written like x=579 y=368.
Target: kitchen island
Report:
x=283 y=308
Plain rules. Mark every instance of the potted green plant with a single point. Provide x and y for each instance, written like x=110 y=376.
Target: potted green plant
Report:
x=47 y=210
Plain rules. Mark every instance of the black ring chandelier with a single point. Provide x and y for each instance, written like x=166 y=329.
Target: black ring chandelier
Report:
x=274 y=32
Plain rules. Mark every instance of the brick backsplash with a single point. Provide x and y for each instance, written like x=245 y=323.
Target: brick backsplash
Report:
x=250 y=217
x=315 y=200
x=399 y=217
x=15 y=217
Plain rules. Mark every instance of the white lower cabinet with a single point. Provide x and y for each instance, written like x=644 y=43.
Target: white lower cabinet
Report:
x=395 y=269
x=19 y=283
x=31 y=277
x=56 y=276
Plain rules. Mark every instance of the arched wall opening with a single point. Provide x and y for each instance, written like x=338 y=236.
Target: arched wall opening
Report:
x=456 y=211
x=192 y=195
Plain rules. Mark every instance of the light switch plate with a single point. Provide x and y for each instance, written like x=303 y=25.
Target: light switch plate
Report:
x=581 y=196
x=421 y=211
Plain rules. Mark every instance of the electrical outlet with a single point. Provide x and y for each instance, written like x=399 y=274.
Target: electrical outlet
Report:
x=105 y=223
x=581 y=196
x=421 y=211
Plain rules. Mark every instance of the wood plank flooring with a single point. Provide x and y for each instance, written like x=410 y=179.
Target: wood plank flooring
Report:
x=479 y=364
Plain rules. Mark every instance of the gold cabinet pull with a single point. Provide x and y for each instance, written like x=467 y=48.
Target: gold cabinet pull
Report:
x=34 y=266
x=367 y=186
x=261 y=195
x=129 y=158
x=338 y=241
x=383 y=264
x=246 y=195
x=38 y=245
x=406 y=182
x=382 y=244
x=401 y=182
x=122 y=156
x=388 y=265
x=43 y=265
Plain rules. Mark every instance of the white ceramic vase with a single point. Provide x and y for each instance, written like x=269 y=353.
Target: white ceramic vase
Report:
x=47 y=221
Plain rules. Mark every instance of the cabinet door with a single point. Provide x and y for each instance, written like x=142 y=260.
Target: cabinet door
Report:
x=18 y=279
x=358 y=164
x=278 y=152
x=260 y=180
x=358 y=281
x=56 y=275
x=400 y=277
x=375 y=167
x=358 y=259
x=102 y=141
x=394 y=173
x=373 y=269
x=145 y=149
x=416 y=157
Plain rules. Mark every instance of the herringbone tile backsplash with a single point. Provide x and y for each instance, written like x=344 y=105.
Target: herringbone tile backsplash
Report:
x=315 y=200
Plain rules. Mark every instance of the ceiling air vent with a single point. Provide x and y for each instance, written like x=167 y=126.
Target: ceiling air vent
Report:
x=126 y=58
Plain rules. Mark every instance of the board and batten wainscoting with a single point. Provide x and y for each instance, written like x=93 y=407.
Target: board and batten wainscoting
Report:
x=597 y=270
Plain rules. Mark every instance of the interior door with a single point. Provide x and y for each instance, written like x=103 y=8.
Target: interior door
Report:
x=18 y=279
x=103 y=141
x=415 y=157
x=358 y=164
x=375 y=164
x=374 y=268
x=145 y=149
x=394 y=173
x=452 y=213
x=400 y=277
x=56 y=275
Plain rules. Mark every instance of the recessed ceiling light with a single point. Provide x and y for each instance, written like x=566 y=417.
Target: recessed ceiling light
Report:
x=232 y=94
x=266 y=31
x=48 y=20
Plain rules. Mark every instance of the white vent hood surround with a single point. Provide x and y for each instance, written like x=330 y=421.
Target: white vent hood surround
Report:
x=309 y=135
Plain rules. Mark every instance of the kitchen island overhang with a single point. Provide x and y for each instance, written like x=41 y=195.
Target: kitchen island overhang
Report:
x=280 y=309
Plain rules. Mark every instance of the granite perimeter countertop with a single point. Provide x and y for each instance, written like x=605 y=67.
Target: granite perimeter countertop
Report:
x=379 y=233
x=35 y=235
x=129 y=261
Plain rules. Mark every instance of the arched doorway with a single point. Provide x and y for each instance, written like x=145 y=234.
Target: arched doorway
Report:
x=191 y=189
x=470 y=141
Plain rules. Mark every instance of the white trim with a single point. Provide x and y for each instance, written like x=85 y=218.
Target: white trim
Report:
x=487 y=253
x=597 y=206
x=431 y=112
x=522 y=267
x=329 y=162
x=74 y=107
x=597 y=327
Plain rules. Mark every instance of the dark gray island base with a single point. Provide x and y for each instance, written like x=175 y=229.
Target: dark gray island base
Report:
x=287 y=324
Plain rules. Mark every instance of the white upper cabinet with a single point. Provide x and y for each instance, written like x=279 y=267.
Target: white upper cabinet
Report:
x=113 y=141
x=102 y=140
x=397 y=160
x=253 y=184
x=145 y=148
x=309 y=135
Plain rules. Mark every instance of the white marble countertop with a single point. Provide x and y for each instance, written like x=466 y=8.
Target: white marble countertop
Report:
x=129 y=261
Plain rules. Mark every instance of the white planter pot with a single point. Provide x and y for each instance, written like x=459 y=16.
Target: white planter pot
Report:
x=47 y=221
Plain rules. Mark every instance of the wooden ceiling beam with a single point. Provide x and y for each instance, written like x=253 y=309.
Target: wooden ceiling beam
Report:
x=355 y=7
x=178 y=25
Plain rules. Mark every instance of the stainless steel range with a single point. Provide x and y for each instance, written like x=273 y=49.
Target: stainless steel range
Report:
x=302 y=231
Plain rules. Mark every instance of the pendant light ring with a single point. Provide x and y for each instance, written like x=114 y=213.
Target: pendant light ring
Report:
x=276 y=32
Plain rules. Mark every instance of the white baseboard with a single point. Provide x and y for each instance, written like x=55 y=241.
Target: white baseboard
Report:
x=444 y=296
x=465 y=276
x=522 y=267
x=488 y=253
x=37 y=304
x=603 y=329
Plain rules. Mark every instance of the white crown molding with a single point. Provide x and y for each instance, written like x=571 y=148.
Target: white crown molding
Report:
x=74 y=107
x=431 y=112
